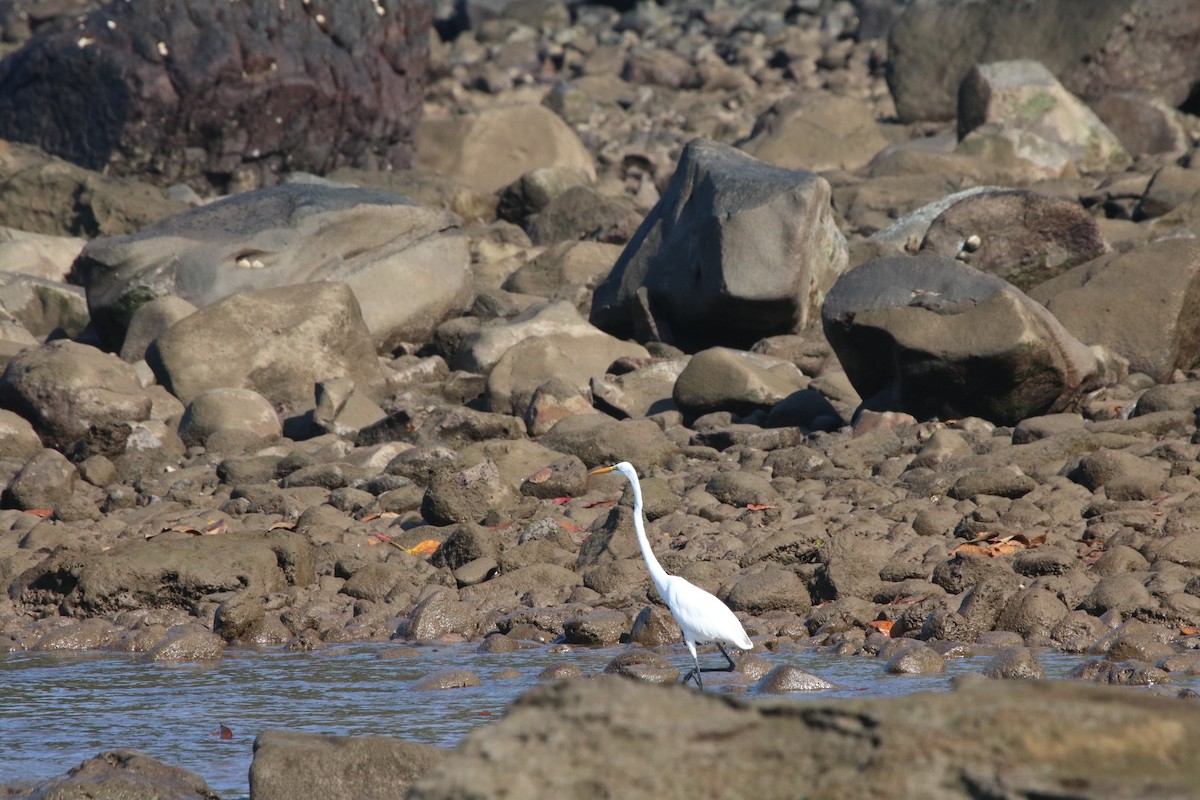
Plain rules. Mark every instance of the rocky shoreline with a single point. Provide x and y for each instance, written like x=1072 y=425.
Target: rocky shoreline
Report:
x=903 y=343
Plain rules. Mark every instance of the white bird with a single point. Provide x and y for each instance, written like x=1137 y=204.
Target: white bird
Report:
x=701 y=616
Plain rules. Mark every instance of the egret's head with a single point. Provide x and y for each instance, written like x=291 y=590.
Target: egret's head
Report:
x=624 y=467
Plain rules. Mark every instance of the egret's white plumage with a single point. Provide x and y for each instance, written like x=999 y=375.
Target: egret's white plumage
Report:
x=702 y=618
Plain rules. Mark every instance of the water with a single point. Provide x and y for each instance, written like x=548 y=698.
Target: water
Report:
x=57 y=710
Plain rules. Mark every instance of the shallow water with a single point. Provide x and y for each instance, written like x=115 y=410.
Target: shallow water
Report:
x=57 y=710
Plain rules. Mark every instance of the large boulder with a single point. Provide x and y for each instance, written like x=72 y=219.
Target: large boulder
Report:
x=172 y=570
x=1023 y=100
x=1144 y=305
x=1115 y=45
x=571 y=359
x=987 y=737
x=1021 y=236
x=47 y=195
x=490 y=149
x=933 y=337
x=278 y=342
x=186 y=90
x=289 y=764
x=815 y=131
x=65 y=388
x=406 y=268
x=121 y=774
x=734 y=251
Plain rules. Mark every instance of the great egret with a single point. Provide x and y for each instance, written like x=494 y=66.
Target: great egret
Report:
x=701 y=616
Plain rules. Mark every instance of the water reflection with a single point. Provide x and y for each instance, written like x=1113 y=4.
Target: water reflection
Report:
x=57 y=710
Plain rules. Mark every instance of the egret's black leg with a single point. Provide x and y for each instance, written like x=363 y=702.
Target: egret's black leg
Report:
x=694 y=672
x=732 y=666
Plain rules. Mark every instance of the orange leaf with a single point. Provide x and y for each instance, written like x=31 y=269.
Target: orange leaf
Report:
x=884 y=626
x=561 y=501
x=970 y=547
x=571 y=527
x=425 y=548
x=759 y=506
x=226 y=733
x=1189 y=631
x=40 y=512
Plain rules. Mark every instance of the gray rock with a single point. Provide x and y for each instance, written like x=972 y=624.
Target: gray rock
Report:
x=466 y=495
x=786 y=678
x=680 y=725
x=815 y=131
x=687 y=266
x=600 y=627
x=532 y=192
x=1122 y=592
x=1024 y=99
x=277 y=342
x=467 y=542
x=654 y=626
x=289 y=764
x=124 y=774
x=375 y=242
x=723 y=379
x=1104 y=52
x=438 y=615
x=88 y=634
x=645 y=391
x=772 y=589
x=1021 y=236
x=598 y=440
x=906 y=329
x=64 y=388
x=18 y=439
x=569 y=358
x=564 y=265
x=224 y=416
x=1143 y=122
x=45 y=481
x=1014 y=662
x=1032 y=612
x=490 y=149
x=582 y=212
x=447 y=679
x=191 y=644
x=313 y=113
x=149 y=321
x=915 y=659
x=741 y=489
x=1140 y=304
x=643 y=665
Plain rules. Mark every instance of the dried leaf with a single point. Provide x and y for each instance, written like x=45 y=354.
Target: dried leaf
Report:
x=283 y=524
x=226 y=733
x=215 y=528
x=40 y=512
x=571 y=527
x=425 y=548
x=759 y=506
x=970 y=547
x=541 y=476
x=884 y=626
x=601 y=503
x=561 y=501
x=1189 y=631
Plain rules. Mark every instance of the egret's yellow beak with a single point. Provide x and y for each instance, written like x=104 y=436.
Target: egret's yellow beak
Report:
x=601 y=470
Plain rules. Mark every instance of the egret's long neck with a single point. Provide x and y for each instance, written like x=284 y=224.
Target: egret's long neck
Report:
x=657 y=573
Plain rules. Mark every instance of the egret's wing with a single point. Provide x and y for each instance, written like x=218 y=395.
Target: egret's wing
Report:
x=701 y=616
